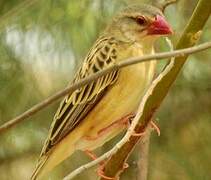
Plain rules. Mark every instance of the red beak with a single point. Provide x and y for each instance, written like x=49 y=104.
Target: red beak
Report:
x=159 y=27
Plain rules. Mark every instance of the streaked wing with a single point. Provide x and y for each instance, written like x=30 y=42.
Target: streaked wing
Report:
x=76 y=105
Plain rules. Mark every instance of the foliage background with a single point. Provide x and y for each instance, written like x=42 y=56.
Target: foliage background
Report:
x=42 y=42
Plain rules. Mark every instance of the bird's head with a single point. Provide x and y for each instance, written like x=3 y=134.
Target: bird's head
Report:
x=137 y=22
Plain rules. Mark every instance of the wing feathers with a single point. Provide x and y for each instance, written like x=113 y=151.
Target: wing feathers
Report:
x=77 y=104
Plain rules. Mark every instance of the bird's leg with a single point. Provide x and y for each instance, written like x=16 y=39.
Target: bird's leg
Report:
x=123 y=122
x=92 y=155
x=89 y=153
x=100 y=171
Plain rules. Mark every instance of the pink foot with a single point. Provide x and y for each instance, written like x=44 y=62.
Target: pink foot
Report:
x=92 y=155
x=101 y=173
x=155 y=127
x=89 y=153
x=101 y=167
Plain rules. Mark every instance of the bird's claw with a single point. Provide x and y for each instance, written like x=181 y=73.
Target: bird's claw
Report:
x=155 y=127
x=101 y=173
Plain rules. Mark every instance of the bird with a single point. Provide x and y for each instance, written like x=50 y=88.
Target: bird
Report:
x=98 y=111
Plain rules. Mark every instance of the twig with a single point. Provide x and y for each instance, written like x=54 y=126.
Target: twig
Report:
x=163 y=5
x=71 y=88
x=16 y=10
x=143 y=145
x=167 y=3
x=143 y=155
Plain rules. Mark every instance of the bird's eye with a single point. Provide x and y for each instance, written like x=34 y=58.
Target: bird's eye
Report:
x=141 y=20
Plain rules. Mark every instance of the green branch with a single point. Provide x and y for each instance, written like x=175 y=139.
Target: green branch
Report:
x=163 y=83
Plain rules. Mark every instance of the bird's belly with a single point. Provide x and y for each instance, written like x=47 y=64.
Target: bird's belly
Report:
x=121 y=99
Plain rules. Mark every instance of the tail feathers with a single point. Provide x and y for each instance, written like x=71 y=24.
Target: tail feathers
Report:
x=38 y=170
x=54 y=157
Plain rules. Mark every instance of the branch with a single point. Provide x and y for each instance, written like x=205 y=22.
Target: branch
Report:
x=14 y=12
x=162 y=5
x=71 y=88
x=143 y=155
x=167 y=3
x=154 y=96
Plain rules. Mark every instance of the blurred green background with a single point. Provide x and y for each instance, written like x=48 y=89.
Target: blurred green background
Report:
x=42 y=42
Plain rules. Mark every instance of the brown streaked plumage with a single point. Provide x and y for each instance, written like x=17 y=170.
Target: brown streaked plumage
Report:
x=90 y=116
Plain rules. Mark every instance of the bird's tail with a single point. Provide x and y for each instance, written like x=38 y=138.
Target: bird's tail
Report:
x=56 y=155
x=37 y=172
